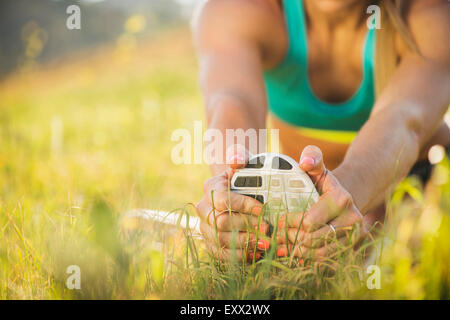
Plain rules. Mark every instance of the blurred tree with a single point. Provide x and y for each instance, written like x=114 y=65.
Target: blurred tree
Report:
x=35 y=30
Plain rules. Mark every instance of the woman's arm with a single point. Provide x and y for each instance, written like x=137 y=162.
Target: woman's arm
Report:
x=231 y=38
x=233 y=42
x=407 y=113
x=403 y=120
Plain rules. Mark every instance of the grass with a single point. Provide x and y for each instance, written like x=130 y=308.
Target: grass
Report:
x=87 y=138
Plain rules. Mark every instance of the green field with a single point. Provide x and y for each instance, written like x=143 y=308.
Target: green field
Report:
x=87 y=138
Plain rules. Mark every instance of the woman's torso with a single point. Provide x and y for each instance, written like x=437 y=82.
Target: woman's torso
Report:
x=320 y=92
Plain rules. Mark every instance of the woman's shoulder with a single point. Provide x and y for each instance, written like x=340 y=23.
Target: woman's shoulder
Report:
x=260 y=22
x=428 y=23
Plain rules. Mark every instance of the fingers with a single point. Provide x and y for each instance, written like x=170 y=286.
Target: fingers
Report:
x=226 y=221
x=236 y=221
x=218 y=183
x=226 y=254
x=324 y=210
x=204 y=209
x=328 y=251
x=349 y=223
x=232 y=201
x=311 y=161
x=329 y=206
x=307 y=223
x=217 y=193
x=237 y=156
x=228 y=201
x=225 y=239
x=291 y=220
x=312 y=240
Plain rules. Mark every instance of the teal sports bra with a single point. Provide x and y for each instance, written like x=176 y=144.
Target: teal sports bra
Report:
x=289 y=93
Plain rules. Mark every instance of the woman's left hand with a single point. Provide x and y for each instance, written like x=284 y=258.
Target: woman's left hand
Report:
x=330 y=225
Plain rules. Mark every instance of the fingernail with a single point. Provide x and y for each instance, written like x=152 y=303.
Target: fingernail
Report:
x=263 y=228
x=250 y=255
x=256 y=211
x=258 y=255
x=263 y=244
x=300 y=261
x=308 y=160
x=282 y=252
x=237 y=159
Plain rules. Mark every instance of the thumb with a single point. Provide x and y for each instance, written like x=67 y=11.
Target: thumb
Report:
x=311 y=161
x=237 y=156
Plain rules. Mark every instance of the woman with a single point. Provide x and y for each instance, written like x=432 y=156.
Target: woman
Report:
x=372 y=100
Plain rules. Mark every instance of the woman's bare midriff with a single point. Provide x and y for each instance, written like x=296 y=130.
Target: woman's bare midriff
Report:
x=292 y=142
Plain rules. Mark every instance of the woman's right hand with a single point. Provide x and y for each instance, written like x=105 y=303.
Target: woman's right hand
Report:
x=232 y=228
